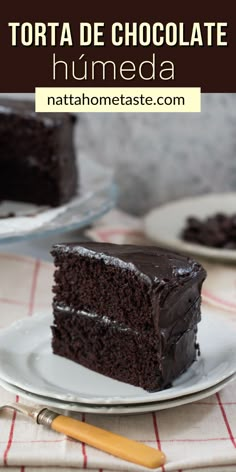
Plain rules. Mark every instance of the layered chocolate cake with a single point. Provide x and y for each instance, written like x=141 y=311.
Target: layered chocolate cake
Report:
x=37 y=158
x=128 y=312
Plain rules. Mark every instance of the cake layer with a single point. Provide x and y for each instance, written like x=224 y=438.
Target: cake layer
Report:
x=144 y=288
x=165 y=337
x=120 y=352
x=128 y=312
x=37 y=159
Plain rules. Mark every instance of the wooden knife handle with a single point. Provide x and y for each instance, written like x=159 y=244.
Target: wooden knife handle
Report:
x=114 y=444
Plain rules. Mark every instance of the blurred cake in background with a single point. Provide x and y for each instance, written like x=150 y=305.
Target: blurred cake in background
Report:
x=217 y=230
x=37 y=155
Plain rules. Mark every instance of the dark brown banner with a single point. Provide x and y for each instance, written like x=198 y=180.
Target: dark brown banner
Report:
x=188 y=57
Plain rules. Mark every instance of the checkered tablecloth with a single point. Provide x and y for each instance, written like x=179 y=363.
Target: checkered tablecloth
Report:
x=195 y=437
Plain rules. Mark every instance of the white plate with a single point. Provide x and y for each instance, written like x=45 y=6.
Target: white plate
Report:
x=116 y=409
x=164 y=224
x=26 y=361
x=97 y=195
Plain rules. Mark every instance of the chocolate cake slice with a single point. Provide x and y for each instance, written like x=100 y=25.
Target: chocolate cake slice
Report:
x=37 y=158
x=128 y=312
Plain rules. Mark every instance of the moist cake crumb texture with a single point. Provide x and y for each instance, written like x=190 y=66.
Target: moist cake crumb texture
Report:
x=128 y=312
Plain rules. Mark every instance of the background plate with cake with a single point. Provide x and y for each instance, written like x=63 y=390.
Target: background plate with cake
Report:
x=165 y=225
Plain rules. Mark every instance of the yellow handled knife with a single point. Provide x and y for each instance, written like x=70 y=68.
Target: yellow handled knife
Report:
x=106 y=441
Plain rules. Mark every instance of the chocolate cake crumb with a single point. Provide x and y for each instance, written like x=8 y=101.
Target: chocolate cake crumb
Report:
x=218 y=231
x=37 y=156
x=128 y=312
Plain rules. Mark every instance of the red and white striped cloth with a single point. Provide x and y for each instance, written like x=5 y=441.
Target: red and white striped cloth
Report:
x=196 y=437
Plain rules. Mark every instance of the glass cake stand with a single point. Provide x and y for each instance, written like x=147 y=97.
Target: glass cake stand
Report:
x=97 y=195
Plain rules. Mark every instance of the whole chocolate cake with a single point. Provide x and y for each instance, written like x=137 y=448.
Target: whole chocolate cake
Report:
x=128 y=312
x=37 y=159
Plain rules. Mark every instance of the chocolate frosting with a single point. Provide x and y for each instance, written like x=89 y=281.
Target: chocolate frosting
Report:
x=147 y=343
x=157 y=266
